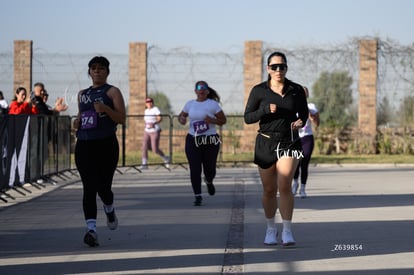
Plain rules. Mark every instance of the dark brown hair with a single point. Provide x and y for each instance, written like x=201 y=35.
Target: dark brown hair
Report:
x=212 y=93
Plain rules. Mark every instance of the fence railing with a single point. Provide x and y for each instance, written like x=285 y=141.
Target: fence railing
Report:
x=33 y=147
x=172 y=141
x=37 y=147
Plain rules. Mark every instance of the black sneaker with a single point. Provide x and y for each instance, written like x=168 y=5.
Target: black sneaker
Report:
x=111 y=220
x=91 y=238
x=198 y=200
x=211 y=189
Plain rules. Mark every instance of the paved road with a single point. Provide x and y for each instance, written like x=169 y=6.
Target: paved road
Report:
x=357 y=220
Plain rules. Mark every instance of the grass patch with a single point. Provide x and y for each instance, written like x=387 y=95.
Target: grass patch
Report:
x=355 y=159
x=134 y=158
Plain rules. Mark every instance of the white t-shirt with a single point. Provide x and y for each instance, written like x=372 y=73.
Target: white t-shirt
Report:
x=197 y=112
x=307 y=129
x=150 y=118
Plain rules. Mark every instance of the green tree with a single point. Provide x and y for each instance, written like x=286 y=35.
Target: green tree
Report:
x=406 y=111
x=162 y=102
x=332 y=94
x=384 y=112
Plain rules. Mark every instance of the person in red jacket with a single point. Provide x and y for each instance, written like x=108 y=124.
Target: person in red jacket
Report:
x=20 y=105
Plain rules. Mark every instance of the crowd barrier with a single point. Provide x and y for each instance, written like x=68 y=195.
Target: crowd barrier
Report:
x=33 y=147
x=36 y=147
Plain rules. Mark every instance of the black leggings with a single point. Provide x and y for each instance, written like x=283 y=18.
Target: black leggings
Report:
x=308 y=143
x=202 y=156
x=96 y=161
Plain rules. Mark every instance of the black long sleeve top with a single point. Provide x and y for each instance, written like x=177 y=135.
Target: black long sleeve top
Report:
x=291 y=106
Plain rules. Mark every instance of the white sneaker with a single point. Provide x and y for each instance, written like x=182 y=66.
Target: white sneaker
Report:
x=295 y=187
x=143 y=167
x=167 y=162
x=111 y=220
x=287 y=238
x=271 y=236
x=303 y=194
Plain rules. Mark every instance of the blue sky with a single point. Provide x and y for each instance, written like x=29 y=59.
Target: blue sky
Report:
x=84 y=26
x=214 y=26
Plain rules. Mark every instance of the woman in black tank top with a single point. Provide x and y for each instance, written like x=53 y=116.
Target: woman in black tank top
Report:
x=101 y=109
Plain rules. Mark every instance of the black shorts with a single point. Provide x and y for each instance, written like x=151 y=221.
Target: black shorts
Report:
x=271 y=147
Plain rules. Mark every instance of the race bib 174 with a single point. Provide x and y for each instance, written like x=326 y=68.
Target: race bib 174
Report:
x=88 y=120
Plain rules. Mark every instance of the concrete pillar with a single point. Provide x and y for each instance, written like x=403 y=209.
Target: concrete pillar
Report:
x=253 y=75
x=23 y=52
x=368 y=74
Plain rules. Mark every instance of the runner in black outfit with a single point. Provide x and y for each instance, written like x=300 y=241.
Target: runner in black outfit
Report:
x=280 y=107
x=101 y=108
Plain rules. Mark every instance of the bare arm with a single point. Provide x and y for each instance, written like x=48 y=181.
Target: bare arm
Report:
x=182 y=117
x=315 y=119
x=118 y=113
x=76 y=121
x=219 y=119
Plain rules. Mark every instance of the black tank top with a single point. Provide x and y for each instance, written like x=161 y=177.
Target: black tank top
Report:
x=95 y=125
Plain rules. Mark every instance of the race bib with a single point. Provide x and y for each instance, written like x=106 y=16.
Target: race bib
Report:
x=88 y=120
x=200 y=126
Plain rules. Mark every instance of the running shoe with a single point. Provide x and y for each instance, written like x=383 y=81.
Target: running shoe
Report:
x=271 y=236
x=111 y=220
x=287 y=238
x=198 y=200
x=211 y=189
x=167 y=162
x=303 y=194
x=91 y=238
x=295 y=187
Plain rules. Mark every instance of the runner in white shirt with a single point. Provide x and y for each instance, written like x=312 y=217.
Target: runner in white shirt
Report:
x=202 y=143
x=308 y=143
x=151 y=140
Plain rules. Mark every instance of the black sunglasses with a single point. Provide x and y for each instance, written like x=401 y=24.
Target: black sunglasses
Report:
x=278 y=67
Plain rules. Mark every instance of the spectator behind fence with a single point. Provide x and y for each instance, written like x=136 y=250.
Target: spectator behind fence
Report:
x=101 y=108
x=45 y=97
x=280 y=107
x=308 y=143
x=21 y=104
x=44 y=109
x=202 y=142
x=152 y=131
x=4 y=105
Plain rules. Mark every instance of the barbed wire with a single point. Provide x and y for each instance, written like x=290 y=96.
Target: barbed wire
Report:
x=174 y=71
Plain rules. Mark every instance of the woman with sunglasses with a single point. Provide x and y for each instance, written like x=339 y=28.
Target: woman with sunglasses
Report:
x=152 y=133
x=202 y=141
x=280 y=107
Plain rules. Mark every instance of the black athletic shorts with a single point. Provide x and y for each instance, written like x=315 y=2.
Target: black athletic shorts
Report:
x=270 y=147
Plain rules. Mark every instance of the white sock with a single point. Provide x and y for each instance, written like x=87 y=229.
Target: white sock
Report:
x=108 y=208
x=295 y=181
x=270 y=223
x=302 y=187
x=91 y=224
x=144 y=161
x=287 y=225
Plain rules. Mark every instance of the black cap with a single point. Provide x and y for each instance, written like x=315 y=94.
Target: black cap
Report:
x=99 y=60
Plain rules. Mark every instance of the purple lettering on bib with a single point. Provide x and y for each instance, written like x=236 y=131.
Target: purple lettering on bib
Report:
x=88 y=120
x=200 y=126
